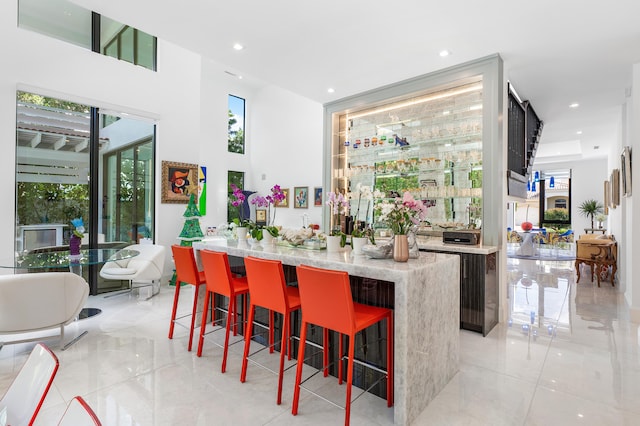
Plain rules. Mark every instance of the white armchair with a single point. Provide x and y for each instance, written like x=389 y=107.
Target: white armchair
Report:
x=35 y=302
x=144 y=270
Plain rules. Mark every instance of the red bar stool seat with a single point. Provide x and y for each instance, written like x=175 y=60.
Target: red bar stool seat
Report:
x=326 y=301
x=221 y=281
x=186 y=272
x=268 y=289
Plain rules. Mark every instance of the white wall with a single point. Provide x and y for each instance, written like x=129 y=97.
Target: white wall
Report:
x=286 y=149
x=51 y=67
x=188 y=100
x=632 y=233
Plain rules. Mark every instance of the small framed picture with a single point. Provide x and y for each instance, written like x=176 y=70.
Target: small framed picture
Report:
x=285 y=202
x=261 y=217
x=301 y=197
x=317 y=197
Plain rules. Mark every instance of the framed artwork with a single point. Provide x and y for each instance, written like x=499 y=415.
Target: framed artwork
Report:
x=607 y=197
x=615 y=188
x=625 y=160
x=285 y=202
x=179 y=181
x=317 y=197
x=301 y=197
x=261 y=217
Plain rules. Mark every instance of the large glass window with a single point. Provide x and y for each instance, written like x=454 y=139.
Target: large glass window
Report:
x=236 y=124
x=126 y=43
x=64 y=20
x=54 y=170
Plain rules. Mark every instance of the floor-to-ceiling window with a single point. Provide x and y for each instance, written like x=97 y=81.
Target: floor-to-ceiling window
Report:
x=58 y=161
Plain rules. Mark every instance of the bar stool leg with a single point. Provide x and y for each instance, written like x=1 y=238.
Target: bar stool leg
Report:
x=193 y=316
x=175 y=308
x=285 y=326
x=352 y=343
x=390 y=360
x=203 y=327
x=325 y=351
x=247 y=343
x=296 y=390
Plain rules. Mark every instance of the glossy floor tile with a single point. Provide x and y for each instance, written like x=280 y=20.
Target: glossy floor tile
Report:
x=567 y=355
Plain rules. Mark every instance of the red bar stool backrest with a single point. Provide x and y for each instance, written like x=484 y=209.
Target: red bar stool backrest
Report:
x=326 y=298
x=186 y=266
x=267 y=285
x=218 y=272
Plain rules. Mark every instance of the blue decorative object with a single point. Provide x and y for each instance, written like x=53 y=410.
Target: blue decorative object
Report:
x=536 y=177
x=552 y=182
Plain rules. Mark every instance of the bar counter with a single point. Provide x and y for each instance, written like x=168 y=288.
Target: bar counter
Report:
x=426 y=313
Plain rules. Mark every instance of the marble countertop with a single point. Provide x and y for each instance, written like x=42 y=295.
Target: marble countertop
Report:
x=359 y=265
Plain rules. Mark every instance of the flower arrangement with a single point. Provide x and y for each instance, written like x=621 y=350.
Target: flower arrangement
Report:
x=237 y=199
x=78 y=225
x=338 y=205
x=402 y=213
x=276 y=196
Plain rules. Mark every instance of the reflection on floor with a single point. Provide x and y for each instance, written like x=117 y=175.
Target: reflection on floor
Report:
x=567 y=355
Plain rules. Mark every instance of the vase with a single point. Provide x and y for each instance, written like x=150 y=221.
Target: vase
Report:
x=356 y=245
x=241 y=233
x=400 y=248
x=333 y=243
x=74 y=245
x=267 y=238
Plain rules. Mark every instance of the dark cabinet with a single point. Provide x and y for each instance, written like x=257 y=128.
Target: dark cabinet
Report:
x=478 y=292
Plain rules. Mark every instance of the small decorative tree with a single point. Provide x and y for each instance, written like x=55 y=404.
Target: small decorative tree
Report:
x=191 y=231
x=590 y=208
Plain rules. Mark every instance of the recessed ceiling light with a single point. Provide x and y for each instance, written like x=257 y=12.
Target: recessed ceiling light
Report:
x=574 y=105
x=579 y=132
x=239 y=77
x=444 y=53
x=331 y=90
x=238 y=46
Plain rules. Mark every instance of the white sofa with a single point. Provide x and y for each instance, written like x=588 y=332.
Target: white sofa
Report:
x=40 y=301
x=146 y=268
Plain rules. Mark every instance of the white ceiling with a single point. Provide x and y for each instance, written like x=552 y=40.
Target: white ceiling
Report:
x=555 y=52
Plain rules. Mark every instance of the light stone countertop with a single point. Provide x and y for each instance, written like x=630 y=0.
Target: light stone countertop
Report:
x=426 y=313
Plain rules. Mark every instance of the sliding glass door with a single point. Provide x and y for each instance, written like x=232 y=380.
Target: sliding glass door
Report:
x=72 y=162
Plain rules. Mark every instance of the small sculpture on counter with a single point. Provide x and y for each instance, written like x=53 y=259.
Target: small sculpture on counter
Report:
x=385 y=250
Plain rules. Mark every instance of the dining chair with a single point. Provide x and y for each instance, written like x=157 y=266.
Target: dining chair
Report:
x=220 y=280
x=268 y=289
x=326 y=301
x=79 y=413
x=186 y=272
x=24 y=397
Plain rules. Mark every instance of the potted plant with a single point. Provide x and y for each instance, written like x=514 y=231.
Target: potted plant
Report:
x=590 y=208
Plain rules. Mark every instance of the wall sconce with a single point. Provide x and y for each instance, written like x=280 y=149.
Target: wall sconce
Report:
x=536 y=177
x=552 y=182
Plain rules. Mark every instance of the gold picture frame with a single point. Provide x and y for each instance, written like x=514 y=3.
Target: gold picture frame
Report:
x=615 y=188
x=179 y=181
x=285 y=202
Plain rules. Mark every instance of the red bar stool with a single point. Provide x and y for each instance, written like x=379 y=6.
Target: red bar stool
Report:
x=186 y=272
x=327 y=302
x=221 y=281
x=268 y=289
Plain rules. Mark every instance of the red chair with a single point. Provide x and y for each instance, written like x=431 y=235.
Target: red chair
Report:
x=27 y=392
x=268 y=289
x=186 y=272
x=79 y=413
x=221 y=281
x=327 y=302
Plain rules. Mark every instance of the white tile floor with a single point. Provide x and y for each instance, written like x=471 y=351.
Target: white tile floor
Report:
x=578 y=363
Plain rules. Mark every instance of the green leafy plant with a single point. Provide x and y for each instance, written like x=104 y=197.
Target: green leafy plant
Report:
x=590 y=208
